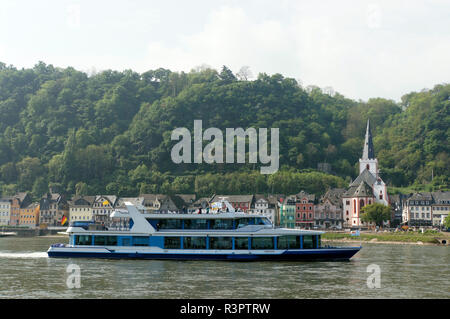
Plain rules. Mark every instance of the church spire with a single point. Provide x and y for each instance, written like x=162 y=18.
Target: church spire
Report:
x=368 y=152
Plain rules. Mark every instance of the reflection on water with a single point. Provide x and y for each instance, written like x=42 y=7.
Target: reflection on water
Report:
x=407 y=271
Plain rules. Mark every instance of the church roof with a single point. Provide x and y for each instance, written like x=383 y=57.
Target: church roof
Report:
x=368 y=151
x=365 y=176
x=361 y=190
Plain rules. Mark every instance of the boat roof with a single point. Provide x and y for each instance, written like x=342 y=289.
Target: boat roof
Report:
x=202 y=216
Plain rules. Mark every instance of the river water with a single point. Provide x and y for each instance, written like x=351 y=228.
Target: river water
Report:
x=406 y=271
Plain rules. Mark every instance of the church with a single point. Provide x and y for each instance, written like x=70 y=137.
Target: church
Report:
x=367 y=188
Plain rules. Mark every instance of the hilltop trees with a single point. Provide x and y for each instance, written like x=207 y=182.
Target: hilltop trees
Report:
x=111 y=131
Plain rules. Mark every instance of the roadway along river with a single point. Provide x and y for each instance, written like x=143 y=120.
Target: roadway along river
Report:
x=407 y=271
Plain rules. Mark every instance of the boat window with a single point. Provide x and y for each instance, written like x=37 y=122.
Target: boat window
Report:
x=242 y=222
x=111 y=240
x=169 y=224
x=140 y=241
x=262 y=221
x=308 y=242
x=194 y=242
x=83 y=240
x=105 y=240
x=126 y=241
x=220 y=243
x=195 y=224
x=221 y=224
x=99 y=240
x=241 y=243
x=172 y=242
x=288 y=242
x=263 y=243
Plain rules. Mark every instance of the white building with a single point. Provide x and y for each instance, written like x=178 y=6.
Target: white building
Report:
x=418 y=210
x=5 y=211
x=440 y=207
x=103 y=207
x=262 y=206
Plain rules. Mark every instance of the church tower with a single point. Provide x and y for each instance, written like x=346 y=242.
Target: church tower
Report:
x=367 y=188
x=368 y=160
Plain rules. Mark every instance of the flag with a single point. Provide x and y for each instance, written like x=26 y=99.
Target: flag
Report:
x=105 y=203
x=63 y=220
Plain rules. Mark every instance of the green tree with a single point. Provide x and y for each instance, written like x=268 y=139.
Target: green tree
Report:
x=447 y=222
x=29 y=169
x=227 y=75
x=40 y=187
x=81 y=189
x=376 y=213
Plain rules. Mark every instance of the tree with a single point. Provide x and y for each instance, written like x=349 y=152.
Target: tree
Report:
x=227 y=75
x=447 y=222
x=29 y=169
x=376 y=213
x=40 y=187
x=244 y=73
x=81 y=189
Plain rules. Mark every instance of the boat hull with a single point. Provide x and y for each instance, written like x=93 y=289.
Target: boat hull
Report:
x=328 y=254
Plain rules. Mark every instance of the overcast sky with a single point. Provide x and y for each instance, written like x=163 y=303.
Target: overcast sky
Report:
x=362 y=49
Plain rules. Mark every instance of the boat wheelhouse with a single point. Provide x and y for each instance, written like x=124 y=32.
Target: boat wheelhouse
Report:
x=219 y=236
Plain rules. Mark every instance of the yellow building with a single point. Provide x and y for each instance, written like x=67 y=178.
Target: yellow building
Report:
x=29 y=216
x=80 y=209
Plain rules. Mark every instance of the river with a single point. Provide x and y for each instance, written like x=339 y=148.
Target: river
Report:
x=406 y=271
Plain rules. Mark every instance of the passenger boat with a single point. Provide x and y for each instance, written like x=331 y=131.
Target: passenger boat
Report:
x=220 y=236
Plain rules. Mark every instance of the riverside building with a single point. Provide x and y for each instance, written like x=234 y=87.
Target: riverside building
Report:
x=5 y=211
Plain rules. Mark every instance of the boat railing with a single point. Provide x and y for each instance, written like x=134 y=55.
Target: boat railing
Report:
x=118 y=228
x=58 y=245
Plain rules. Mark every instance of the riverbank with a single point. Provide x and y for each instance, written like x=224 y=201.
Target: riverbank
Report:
x=416 y=238
x=30 y=232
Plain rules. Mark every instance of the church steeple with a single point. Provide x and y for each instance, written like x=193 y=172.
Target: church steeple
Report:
x=368 y=160
x=368 y=152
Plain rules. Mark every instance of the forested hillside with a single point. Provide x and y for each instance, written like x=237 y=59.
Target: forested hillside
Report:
x=110 y=132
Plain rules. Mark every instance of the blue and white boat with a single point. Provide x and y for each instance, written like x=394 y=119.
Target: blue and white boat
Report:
x=220 y=236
